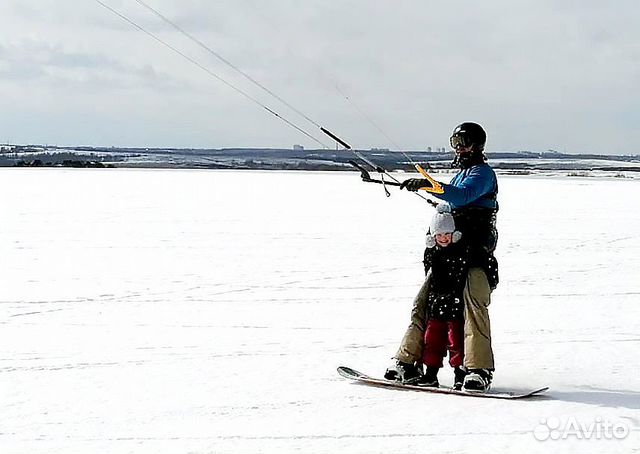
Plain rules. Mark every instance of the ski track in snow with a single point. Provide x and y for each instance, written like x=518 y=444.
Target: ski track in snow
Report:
x=179 y=311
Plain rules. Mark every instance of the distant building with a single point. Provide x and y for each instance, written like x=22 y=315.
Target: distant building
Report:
x=297 y=147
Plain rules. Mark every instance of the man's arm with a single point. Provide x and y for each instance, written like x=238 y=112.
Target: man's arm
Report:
x=479 y=182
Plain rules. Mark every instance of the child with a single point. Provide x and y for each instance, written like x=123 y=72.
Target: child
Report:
x=447 y=259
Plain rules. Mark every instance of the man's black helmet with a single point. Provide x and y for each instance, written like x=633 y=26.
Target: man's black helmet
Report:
x=468 y=134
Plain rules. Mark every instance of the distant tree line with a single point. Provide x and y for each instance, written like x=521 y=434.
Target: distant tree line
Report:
x=66 y=163
x=56 y=160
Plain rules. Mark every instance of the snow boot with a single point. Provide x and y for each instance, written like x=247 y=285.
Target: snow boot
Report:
x=477 y=380
x=403 y=372
x=459 y=373
x=430 y=378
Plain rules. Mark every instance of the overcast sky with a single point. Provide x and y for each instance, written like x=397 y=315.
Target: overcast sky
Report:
x=539 y=74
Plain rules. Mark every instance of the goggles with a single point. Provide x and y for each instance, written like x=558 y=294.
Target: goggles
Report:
x=459 y=140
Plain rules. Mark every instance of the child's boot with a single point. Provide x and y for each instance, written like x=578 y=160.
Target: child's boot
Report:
x=458 y=377
x=430 y=378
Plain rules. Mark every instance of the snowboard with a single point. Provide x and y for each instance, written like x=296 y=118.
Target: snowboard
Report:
x=359 y=377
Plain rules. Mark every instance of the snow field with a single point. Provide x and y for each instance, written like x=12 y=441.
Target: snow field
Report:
x=206 y=311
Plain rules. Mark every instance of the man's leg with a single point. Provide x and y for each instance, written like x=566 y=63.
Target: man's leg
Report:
x=478 y=353
x=413 y=341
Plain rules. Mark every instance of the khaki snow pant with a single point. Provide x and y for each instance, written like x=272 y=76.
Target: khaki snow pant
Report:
x=478 y=353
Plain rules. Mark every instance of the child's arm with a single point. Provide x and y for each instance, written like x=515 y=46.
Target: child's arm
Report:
x=428 y=258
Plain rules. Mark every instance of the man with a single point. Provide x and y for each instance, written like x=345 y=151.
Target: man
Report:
x=472 y=194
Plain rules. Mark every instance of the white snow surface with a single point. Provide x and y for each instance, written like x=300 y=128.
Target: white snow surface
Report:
x=177 y=311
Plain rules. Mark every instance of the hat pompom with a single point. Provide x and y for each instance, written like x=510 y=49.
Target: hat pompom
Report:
x=443 y=207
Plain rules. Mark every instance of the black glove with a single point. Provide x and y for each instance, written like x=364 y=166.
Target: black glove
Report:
x=413 y=184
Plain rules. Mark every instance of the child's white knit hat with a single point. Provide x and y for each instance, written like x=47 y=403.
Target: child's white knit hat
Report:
x=442 y=222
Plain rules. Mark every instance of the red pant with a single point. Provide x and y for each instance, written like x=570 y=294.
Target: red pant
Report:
x=440 y=336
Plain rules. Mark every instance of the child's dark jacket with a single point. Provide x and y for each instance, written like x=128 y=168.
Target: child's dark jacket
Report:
x=449 y=268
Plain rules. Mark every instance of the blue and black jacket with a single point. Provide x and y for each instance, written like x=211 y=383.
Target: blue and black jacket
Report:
x=473 y=196
x=475 y=187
